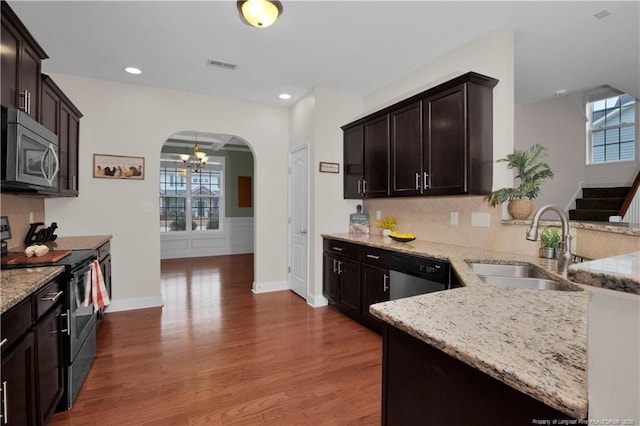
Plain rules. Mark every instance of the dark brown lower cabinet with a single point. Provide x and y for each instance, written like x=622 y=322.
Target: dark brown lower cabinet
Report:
x=49 y=368
x=422 y=385
x=18 y=392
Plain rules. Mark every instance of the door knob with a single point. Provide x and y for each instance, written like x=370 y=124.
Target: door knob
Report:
x=303 y=231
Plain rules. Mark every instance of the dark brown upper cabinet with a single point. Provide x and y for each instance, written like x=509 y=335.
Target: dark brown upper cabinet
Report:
x=439 y=142
x=376 y=157
x=21 y=57
x=406 y=150
x=353 y=162
x=61 y=116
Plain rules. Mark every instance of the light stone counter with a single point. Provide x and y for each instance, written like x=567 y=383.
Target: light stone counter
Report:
x=533 y=340
x=620 y=273
x=17 y=284
x=89 y=242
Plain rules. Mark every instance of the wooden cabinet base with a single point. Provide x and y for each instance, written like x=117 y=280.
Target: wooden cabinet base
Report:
x=422 y=385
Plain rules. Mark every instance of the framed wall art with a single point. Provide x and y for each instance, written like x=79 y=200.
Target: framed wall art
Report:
x=118 y=167
x=329 y=167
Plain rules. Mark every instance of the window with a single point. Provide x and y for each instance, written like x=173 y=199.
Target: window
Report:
x=611 y=129
x=193 y=198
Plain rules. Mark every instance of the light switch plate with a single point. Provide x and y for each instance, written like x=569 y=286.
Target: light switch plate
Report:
x=480 y=219
x=378 y=215
x=453 y=218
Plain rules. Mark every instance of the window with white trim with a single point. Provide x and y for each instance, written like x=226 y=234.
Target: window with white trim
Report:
x=194 y=198
x=611 y=129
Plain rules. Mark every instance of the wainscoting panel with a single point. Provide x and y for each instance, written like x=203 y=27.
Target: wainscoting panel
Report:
x=235 y=238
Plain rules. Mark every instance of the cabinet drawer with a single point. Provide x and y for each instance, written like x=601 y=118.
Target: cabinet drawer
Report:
x=376 y=257
x=15 y=322
x=47 y=297
x=104 y=250
x=342 y=248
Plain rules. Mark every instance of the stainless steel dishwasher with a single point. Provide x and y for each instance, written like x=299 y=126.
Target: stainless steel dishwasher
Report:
x=413 y=275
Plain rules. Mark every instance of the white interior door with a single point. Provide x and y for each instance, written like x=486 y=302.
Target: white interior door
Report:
x=298 y=220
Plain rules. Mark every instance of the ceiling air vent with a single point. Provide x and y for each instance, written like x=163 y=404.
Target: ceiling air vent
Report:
x=220 y=64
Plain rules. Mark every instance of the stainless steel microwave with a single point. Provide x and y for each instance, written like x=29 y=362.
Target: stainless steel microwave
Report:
x=29 y=153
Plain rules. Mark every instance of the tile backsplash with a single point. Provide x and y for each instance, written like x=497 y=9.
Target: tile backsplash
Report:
x=430 y=219
x=18 y=209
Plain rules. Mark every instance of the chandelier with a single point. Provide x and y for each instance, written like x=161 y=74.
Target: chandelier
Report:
x=197 y=161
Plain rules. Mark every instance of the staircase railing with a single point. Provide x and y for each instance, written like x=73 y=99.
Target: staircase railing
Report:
x=632 y=203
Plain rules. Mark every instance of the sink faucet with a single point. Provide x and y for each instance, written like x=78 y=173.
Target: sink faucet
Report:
x=564 y=259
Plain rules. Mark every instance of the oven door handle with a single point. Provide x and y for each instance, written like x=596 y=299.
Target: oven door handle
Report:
x=52 y=297
x=68 y=329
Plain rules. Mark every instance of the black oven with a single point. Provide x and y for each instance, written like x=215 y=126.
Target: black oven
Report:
x=79 y=322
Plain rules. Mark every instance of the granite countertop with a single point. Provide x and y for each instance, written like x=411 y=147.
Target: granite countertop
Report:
x=625 y=228
x=17 y=284
x=89 y=242
x=620 y=273
x=533 y=340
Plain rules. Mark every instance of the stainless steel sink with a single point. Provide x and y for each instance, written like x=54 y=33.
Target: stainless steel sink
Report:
x=524 y=282
x=492 y=269
x=517 y=276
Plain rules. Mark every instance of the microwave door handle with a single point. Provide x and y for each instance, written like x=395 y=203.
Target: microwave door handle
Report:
x=55 y=171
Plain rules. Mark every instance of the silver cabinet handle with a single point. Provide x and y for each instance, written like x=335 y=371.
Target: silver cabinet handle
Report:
x=52 y=297
x=334 y=266
x=417 y=181
x=68 y=329
x=364 y=186
x=339 y=267
x=427 y=180
x=370 y=256
x=25 y=95
x=73 y=183
x=359 y=186
x=337 y=248
x=5 y=420
x=385 y=283
x=28 y=101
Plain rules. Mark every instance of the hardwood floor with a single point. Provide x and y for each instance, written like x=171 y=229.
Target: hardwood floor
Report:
x=217 y=354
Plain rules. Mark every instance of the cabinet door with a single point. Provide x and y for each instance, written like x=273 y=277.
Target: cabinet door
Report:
x=376 y=157
x=406 y=151
x=330 y=283
x=49 y=368
x=353 y=162
x=349 y=272
x=18 y=391
x=9 y=64
x=63 y=139
x=375 y=289
x=105 y=266
x=445 y=154
x=50 y=108
x=74 y=147
x=30 y=79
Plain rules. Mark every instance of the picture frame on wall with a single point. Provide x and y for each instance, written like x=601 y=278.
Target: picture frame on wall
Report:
x=118 y=167
x=326 y=167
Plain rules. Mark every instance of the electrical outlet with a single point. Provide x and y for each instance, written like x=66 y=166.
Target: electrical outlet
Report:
x=480 y=219
x=378 y=215
x=453 y=218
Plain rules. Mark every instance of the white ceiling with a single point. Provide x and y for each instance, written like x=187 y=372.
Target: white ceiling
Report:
x=346 y=46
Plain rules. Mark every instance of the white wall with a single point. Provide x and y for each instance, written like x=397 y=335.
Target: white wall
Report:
x=316 y=120
x=560 y=125
x=136 y=120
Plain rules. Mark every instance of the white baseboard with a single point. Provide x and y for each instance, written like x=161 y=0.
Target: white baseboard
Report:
x=317 y=301
x=137 y=303
x=270 y=286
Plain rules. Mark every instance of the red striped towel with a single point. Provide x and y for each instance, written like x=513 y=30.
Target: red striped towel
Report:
x=95 y=291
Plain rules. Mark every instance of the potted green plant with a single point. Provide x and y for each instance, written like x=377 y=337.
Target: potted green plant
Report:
x=550 y=241
x=532 y=171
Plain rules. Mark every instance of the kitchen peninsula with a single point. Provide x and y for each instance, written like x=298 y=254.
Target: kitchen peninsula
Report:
x=531 y=340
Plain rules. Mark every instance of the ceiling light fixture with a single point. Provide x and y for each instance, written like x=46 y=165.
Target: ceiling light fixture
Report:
x=133 y=70
x=284 y=96
x=259 y=13
x=197 y=161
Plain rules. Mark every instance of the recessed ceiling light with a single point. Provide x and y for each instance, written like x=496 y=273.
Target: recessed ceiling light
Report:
x=284 y=96
x=133 y=70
